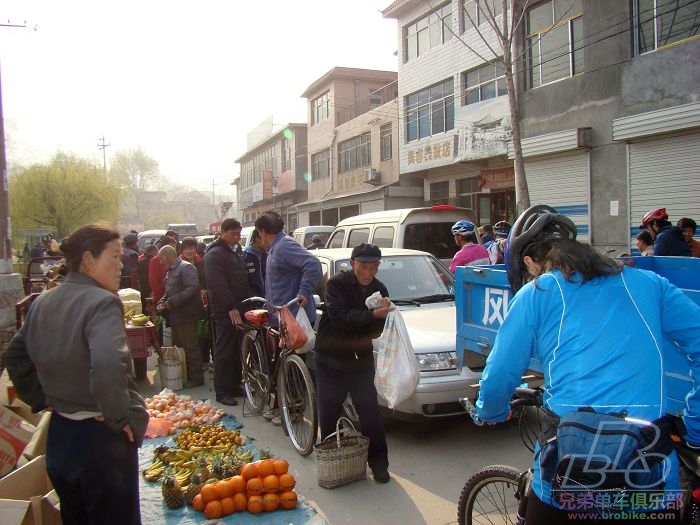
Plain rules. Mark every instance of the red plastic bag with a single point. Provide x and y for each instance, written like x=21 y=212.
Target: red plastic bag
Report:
x=159 y=427
x=294 y=335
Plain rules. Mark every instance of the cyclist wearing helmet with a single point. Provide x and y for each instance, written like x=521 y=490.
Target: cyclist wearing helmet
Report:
x=470 y=251
x=497 y=248
x=598 y=328
x=668 y=239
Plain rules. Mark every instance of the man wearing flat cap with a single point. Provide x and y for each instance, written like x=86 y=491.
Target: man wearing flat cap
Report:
x=344 y=352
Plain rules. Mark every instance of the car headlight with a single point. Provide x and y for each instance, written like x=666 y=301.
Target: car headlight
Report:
x=435 y=361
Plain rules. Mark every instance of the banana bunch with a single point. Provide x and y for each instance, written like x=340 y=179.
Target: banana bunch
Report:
x=139 y=319
x=155 y=471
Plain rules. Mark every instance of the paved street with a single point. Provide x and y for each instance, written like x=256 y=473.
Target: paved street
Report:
x=429 y=465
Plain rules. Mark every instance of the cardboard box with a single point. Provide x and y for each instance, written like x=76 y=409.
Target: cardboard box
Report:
x=15 y=433
x=27 y=497
x=37 y=445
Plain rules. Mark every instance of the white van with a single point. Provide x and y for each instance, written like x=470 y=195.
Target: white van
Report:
x=304 y=234
x=425 y=229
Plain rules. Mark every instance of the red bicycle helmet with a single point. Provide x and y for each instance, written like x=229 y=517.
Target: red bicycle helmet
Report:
x=654 y=215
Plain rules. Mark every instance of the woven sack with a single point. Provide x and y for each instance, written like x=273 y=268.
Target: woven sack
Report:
x=341 y=457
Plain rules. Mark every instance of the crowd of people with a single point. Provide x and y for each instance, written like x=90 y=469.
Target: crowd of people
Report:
x=200 y=291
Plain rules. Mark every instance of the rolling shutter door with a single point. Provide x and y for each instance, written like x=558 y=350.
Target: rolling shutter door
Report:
x=664 y=173
x=562 y=181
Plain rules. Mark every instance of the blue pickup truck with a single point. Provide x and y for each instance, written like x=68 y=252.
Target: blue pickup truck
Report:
x=482 y=295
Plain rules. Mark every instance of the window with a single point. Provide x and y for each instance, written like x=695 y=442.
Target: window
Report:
x=433 y=30
x=383 y=236
x=554 y=41
x=321 y=165
x=320 y=108
x=354 y=153
x=375 y=99
x=475 y=13
x=659 y=23
x=286 y=156
x=430 y=111
x=358 y=236
x=385 y=141
x=485 y=82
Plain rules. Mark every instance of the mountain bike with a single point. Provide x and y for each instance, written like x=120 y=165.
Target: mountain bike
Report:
x=274 y=375
x=498 y=494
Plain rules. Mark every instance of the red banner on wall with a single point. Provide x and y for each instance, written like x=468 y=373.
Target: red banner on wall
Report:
x=497 y=179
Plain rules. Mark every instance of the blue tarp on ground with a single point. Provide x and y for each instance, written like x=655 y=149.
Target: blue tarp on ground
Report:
x=155 y=512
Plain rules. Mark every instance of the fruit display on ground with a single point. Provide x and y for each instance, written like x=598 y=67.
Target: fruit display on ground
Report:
x=211 y=469
x=182 y=411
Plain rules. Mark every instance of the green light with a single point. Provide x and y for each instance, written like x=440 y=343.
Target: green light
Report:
x=288 y=134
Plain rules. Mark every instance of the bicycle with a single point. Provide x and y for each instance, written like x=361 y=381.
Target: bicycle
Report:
x=275 y=375
x=499 y=493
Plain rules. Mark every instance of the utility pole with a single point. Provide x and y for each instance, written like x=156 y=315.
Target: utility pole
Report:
x=103 y=147
x=5 y=234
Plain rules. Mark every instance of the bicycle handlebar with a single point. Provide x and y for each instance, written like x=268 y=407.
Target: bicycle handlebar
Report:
x=258 y=299
x=523 y=396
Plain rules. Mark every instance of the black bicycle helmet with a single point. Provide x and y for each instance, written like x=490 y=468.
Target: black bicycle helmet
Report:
x=501 y=229
x=536 y=220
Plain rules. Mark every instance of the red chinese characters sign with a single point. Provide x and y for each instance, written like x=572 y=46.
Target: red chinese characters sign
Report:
x=497 y=179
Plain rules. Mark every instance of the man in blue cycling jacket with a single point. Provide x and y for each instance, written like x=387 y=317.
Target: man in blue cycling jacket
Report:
x=598 y=329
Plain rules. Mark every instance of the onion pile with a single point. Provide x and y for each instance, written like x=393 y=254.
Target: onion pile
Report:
x=182 y=411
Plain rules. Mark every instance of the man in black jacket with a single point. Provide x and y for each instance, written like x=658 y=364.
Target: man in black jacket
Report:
x=227 y=285
x=344 y=356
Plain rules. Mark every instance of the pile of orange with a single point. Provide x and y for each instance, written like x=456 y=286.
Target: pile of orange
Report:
x=263 y=486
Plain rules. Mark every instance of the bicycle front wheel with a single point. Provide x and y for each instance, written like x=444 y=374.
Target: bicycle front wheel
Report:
x=489 y=496
x=255 y=372
x=298 y=404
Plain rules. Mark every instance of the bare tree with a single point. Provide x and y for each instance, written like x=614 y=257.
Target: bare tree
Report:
x=135 y=171
x=505 y=34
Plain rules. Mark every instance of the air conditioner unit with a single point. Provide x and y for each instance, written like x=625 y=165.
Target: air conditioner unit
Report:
x=371 y=176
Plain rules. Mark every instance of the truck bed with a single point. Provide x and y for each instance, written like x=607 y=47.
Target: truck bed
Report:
x=482 y=295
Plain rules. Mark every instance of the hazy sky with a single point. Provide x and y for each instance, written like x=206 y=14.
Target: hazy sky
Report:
x=186 y=81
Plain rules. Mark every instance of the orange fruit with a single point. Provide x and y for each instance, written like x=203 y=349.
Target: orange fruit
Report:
x=271 y=502
x=288 y=500
x=266 y=467
x=237 y=484
x=255 y=504
x=240 y=501
x=255 y=486
x=213 y=509
x=287 y=482
x=227 y=506
x=271 y=483
x=249 y=470
x=198 y=504
x=209 y=493
x=223 y=489
x=280 y=466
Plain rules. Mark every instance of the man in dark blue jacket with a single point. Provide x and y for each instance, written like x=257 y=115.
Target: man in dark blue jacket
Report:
x=227 y=286
x=256 y=260
x=182 y=304
x=668 y=239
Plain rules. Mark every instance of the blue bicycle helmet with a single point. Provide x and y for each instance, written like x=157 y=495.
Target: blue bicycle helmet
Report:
x=537 y=223
x=501 y=229
x=462 y=227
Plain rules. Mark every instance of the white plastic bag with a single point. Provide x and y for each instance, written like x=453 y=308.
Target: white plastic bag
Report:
x=397 y=371
x=305 y=324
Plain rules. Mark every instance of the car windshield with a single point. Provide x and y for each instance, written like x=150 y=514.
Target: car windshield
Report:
x=412 y=278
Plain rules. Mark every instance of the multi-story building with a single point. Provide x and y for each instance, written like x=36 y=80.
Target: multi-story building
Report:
x=353 y=147
x=273 y=173
x=610 y=112
x=454 y=123
x=608 y=100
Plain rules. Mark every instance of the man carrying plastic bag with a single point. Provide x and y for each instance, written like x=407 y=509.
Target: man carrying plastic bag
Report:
x=344 y=352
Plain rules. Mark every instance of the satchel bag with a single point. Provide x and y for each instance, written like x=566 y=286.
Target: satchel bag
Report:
x=396 y=374
x=294 y=336
x=592 y=452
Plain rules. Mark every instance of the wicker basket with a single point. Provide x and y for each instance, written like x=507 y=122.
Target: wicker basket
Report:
x=341 y=458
